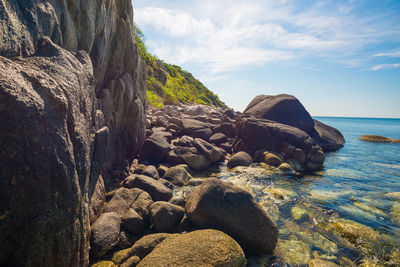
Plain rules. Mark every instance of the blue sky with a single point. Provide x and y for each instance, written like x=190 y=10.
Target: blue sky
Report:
x=339 y=58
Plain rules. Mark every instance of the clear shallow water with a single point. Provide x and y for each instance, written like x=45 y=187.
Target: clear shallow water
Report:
x=341 y=214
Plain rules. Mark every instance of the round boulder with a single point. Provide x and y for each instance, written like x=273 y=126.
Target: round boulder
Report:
x=198 y=248
x=104 y=234
x=239 y=159
x=155 y=148
x=219 y=205
x=165 y=216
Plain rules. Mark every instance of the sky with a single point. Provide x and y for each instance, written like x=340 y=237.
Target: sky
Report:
x=339 y=57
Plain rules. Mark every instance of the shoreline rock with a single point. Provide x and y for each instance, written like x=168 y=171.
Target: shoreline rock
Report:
x=378 y=139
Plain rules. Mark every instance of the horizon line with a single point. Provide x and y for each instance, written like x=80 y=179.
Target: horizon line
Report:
x=354 y=117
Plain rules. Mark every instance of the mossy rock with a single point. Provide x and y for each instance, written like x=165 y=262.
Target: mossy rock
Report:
x=120 y=256
x=378 y=139
x=104 y=264
x=198 y=248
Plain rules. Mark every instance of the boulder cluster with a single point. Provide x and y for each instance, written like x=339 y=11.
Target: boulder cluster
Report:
x=140 y=221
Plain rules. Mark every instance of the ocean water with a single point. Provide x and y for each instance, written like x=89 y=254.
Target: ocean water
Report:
x=342 y=214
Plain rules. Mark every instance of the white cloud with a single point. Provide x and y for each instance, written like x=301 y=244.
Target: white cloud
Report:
x=385 y=66
x=388 y=54
x=228 y=35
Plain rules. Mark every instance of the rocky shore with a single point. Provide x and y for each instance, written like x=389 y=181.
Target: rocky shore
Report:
x=88 y=176
x=184 y=140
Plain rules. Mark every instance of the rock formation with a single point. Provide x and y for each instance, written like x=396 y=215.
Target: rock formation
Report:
x=71 y=104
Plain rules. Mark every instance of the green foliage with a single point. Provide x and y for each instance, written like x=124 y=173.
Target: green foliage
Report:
x=168 y=84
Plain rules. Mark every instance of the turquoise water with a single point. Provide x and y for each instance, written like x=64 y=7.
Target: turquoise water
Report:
x=341 y=214
x=368 y=170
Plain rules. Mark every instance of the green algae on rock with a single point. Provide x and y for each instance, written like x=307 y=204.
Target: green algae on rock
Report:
x=198 y=248
x=378 y=139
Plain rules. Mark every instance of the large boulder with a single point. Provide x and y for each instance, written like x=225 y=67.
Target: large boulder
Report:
x=165 y=216
x=327 y=137
x=104 y=234
x=287 y=109
x=255 y=133
x=156 y=189
x=240 y=159
x=211 y=152
x=177 y=175
x=192 y=157
x=219 y=205
x=155 y=148
x=198 y=248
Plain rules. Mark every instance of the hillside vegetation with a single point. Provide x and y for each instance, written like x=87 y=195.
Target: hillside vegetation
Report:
x=169 y=84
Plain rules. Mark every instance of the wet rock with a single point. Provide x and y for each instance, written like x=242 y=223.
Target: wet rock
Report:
x=285 y=167
x=393 y=195
x=321 y=263
x=395 y=211
x=254 y=134
x=165 y=216
x=293 y=251
x=222 y=206
x=378 y=139
x=157 y=190
x=166 y=183
x=272 y=159
x=177 y=175
x=240 y=159
x=104 y=234
x=192 y=157
x=225 y=128
x=155 y=148
x=211 y=152
x=299 y=214
x=198 y=248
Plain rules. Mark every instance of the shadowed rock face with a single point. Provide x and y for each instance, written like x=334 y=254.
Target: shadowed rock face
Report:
x=65 y=116
x=104 y=29
x=47 y=106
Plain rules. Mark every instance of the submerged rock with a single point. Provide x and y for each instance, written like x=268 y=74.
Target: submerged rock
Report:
x=378 y=139
x=198 y=248
x=219 y=205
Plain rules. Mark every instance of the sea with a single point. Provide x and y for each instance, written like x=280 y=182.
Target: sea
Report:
x=347 y=214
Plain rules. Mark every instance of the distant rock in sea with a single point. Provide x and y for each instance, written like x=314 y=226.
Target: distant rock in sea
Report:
x=378 y=139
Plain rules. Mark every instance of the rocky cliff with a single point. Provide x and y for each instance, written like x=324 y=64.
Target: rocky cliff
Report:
x=71 y=104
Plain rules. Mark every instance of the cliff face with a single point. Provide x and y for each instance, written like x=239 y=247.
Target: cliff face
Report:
x=104 y=29
x=70 y=105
